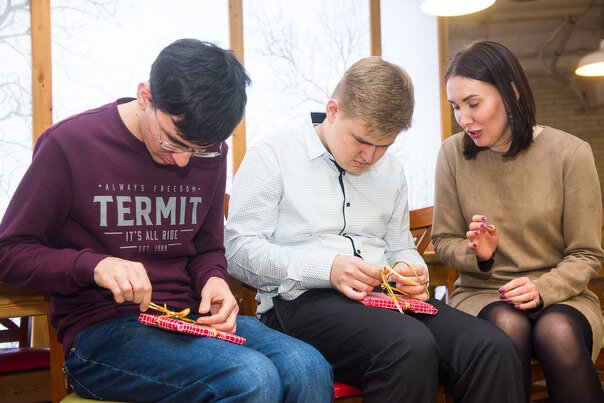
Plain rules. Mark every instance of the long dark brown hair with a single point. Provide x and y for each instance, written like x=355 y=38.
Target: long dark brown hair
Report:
x=493 y=63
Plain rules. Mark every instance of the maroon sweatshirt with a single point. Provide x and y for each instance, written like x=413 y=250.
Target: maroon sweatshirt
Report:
x=93 y=191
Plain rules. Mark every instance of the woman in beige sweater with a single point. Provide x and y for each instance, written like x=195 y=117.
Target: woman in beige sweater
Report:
x=518 y=213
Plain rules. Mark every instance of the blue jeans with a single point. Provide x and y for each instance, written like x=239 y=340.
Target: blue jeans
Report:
x=121 y=359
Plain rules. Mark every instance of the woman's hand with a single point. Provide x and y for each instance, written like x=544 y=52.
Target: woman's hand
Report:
x=521 y=292
x=482 y=237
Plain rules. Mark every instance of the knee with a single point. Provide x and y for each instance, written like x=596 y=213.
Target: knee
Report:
x=413 y=351
x=497 y=344
x=423 y=349
x=554 y=331
x=307 y=376
x=254 y=379
x=559 y=341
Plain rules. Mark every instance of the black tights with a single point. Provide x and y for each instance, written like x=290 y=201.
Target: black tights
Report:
x=561 y=339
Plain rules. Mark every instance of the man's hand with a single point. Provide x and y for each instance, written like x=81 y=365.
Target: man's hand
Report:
x=405 y=277
x=128 y=281
x=216 y=298
x=353 y=276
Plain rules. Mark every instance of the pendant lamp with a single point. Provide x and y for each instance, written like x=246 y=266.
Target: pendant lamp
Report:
x=449 y=8
x=592 y=64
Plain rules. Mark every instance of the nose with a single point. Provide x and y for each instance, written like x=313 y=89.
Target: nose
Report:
x=368 y=153
x=464 y=118
x=181 y=159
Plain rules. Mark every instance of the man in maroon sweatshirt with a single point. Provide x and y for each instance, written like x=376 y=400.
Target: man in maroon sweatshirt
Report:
x=123 y=205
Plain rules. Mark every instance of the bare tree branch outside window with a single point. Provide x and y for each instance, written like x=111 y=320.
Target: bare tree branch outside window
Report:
x=15 y=77
x=15 y=95
x=306 y=54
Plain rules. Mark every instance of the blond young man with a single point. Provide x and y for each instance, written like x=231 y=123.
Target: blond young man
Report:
x=315 y=212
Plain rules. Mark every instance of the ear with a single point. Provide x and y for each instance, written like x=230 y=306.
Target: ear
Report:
x=515 y=91
x=143 y=95
x=331 y=109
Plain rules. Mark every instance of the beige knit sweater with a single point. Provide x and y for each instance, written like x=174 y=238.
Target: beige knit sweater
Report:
x=546 y=206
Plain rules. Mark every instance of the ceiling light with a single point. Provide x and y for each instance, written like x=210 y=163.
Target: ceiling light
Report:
x=592 y=65
x=449 y=8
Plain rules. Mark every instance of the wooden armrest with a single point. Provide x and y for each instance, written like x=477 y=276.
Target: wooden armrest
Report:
x=21 y=302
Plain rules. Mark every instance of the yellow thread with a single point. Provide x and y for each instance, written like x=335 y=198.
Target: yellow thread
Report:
x=386 y=272
x=182 y=315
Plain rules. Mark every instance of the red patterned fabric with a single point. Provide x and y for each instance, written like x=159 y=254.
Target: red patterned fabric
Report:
x=177 y=325
x=341 y=390
x=23 y=358
x=381 y=300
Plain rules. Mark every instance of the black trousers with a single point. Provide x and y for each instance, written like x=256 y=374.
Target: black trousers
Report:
x=395 y=358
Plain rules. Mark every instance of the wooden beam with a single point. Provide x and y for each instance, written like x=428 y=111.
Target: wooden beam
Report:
x=41 y=107
x=236 y=43
x=443 y=62
x=41 y=70
x=375 y=28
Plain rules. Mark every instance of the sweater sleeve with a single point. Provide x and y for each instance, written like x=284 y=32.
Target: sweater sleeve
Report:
x=209 y=260
x=582 y=232
x=449 y=226
x=30 y=252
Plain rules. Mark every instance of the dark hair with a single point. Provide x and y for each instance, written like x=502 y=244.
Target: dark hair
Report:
x=493 y=63
x=202 y=84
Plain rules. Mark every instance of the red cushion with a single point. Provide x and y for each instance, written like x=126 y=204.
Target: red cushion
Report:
x=20 y=359
x=343 y=390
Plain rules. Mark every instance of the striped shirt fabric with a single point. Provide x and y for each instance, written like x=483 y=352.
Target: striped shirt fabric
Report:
x=293 y=210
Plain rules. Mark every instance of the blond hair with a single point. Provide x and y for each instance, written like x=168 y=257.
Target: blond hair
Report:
x=379 y=93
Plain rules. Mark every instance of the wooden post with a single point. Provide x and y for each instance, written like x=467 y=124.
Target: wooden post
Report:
x=236 y=43
x=443 y=62
x=41 y=91
x=41 y=70
x=375 y=28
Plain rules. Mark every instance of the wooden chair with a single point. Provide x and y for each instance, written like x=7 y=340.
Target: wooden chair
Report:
x=24 y=371
x=420 y=223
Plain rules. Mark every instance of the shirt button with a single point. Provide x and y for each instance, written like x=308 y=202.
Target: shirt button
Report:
x=347 y=204
x=359 y=251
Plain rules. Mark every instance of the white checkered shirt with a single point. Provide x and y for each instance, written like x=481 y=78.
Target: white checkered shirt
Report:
x=289 y=216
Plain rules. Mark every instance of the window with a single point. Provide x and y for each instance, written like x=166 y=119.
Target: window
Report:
x=296 y=52
x=15 y=97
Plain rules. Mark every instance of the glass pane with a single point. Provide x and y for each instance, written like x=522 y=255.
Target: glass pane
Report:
x=296 y=52
x=102 y=50
x=409 y=38
x=15 y=97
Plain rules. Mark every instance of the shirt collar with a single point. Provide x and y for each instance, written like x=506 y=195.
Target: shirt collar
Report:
x=314 y=146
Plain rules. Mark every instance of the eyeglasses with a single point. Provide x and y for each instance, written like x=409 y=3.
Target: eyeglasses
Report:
x=179 y=149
